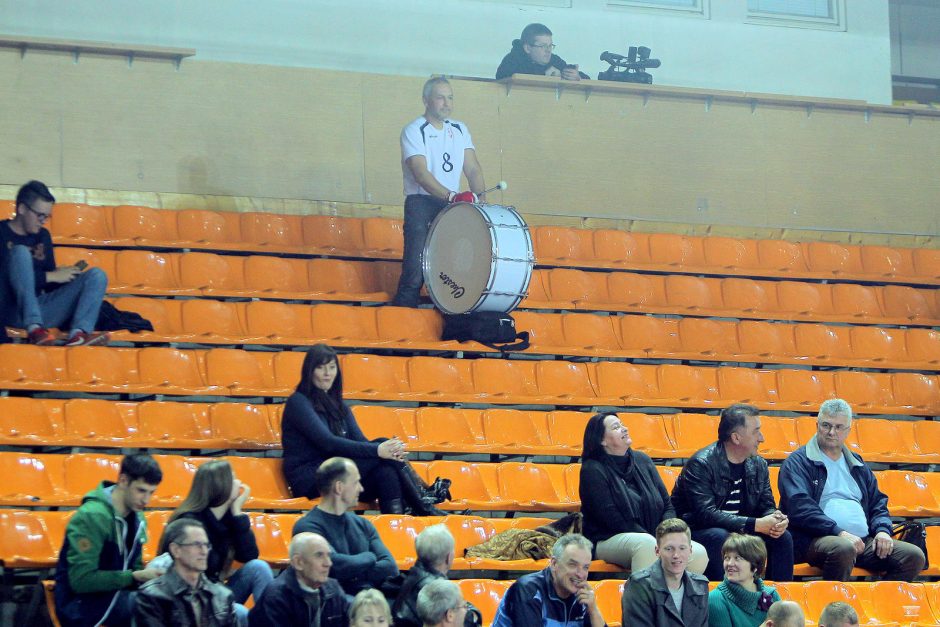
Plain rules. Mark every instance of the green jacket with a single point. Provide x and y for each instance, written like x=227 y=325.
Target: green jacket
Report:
x=730 y=605
x=94 y=563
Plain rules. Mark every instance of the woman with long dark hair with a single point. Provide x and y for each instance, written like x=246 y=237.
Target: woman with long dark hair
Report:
x=623 y=498
x=317 y=425
x=216 y=499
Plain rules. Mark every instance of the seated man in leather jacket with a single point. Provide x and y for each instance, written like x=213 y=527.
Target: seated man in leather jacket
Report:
x=725 y=488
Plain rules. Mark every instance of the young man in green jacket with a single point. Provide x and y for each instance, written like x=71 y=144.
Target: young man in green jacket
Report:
x=101 y=562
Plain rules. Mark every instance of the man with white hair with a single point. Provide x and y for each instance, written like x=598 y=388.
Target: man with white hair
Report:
x=440 y=604
x=303 y=594
x=558 y=595
x=435 y=549
x=839 y=517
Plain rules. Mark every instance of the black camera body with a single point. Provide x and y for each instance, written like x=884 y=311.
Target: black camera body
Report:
x=629 y=68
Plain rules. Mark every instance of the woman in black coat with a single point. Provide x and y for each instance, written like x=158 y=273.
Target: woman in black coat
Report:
x=317 y=425
x=623 y=498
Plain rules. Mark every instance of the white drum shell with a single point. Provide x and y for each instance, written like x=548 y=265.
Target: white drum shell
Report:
x=478 y=257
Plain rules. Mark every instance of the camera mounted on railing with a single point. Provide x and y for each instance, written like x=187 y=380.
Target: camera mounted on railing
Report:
x=629 y=68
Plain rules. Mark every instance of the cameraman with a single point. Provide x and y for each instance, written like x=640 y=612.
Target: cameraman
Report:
x=532 y=54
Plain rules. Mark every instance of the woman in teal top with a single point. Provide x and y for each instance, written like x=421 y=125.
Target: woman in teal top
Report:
x=742 y=599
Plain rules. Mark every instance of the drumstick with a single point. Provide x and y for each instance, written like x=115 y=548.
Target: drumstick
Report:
x=500 y=185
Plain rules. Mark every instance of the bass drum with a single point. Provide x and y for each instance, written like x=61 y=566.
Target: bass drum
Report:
x=478 y=257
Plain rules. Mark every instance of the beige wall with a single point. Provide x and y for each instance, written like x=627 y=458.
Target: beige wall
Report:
x=271 y=132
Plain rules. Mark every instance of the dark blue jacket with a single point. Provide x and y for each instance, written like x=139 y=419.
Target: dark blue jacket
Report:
x=283 y=604
x=802 y=479
x=532 y=602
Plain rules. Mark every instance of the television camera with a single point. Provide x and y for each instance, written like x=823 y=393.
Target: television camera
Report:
x=629 y=68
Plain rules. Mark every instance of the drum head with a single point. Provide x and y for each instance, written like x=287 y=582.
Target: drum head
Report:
x=458 y=258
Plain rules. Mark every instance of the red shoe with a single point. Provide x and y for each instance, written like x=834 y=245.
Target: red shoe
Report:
x=41 y=336
x=95 y=338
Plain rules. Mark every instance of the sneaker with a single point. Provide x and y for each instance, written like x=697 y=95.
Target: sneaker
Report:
x=41 y=336
x=95 y=338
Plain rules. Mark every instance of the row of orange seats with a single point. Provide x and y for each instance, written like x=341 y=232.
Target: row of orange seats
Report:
x=151 y=273
x=208 y=321
x=732 y=297
x=128 y=225
x=52 y=480
x=207 y=426
x=233 y=372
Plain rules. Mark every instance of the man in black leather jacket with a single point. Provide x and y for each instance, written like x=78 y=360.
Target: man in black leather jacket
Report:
x=725 y=488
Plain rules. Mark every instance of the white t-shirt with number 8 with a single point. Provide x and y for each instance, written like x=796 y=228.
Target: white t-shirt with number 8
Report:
x=442 y=149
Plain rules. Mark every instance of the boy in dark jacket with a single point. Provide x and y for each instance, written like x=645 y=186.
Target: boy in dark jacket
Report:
x=532 y=54
x=100 y=562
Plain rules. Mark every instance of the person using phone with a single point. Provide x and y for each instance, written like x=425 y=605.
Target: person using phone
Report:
x=532 y=54
x=216 y=499
x=37 y=295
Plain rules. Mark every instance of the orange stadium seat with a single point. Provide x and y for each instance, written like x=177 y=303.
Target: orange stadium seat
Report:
x=702 y=337
x=822 y=343
x=144 y=226
x=268 y=486
x=780 y=437
x=885 y=263
x=103 y=259
x=620 y=383
x=692 y=432
x=675 y=251
x=30 y=421
x=174 y=425
x=449 y=429
x=566 y=430
x=148 y=272
x=559 y=245
x=730 y=253
x=903 y=303
x=651 y=433
x=242 y=373
x=383 y=237
x=77 y=223
x=91 y=367
x=208 y=320
x=346 y=280
x=927 y=262
x=241 y=425
x=766 y=341
x=595 y=335
x=781 y=256
x=620 y=248
x=927 y=438
x=398 y=533
x=164 y=314
x=609 y=593
x=504 y=381
x=747 y=385
x=208 y=229
x=344 y=326
x=537 y=297
x=564 y=382
x=818 y=594
x=379 y=421
x=923 y=346
x=287 y=370
x=686 y=386
x=878 y=345
x=24 y=366
x=916 y=393
x=899 y=602
x=279 y=323
x=650 y=336
x=412 y=328
x=748 y=296
x=636 y=292
x=834 y=259
x=546 y=334
x=692 y=294
x=909 y=494
x=213 y=275
x=474 y=485
x=808 y=300
x=83 y=472
x=472 y=530
x=435 y=377
x=100 y=422
x=273 y=533
x=271 y=231
x=584 y=289
x=485 y=594
x=535 y=487
x=517 y=432
x=25 y=542
x=277 y=277
x=668 y=474
x=29 y=480
x=867 y=390
x=856 y=302
x=805 y=388
x=174 y=371
x=333 y=235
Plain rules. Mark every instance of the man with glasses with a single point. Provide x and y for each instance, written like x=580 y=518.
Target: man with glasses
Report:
x=184 y=596
x=839 y=516
x=34 y=293
x=440 y=604
x=532 y=54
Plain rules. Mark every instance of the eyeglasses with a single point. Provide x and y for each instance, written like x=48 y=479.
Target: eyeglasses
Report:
x=828 y=426
x=546 y=46
x=199 y=545
x=42 y=217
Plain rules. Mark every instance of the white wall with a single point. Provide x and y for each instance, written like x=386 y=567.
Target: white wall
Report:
x=469 y=37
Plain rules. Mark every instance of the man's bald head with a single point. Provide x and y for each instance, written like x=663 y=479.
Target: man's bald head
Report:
x=785 y=614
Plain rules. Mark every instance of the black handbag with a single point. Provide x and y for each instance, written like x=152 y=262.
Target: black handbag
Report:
x=913 y=532
x=491 y=328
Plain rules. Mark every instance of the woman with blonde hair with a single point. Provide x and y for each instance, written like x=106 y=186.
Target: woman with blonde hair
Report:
x=368 y=609
x=216 y=499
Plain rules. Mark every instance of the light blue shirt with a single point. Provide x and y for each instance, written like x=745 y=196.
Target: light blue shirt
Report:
x=842 y=498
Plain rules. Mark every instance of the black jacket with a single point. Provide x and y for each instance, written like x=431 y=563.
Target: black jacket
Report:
x=518 y=62
x=40 y=245
x=162 y=602
x=283 y=604
x=229 y=533
x=705 y=482
x=607 y=505
x=405 y=608
x=802 y=479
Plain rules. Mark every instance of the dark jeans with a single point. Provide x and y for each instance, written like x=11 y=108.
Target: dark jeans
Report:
x=836 y=557
x=779 y=554
x=420 y=211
